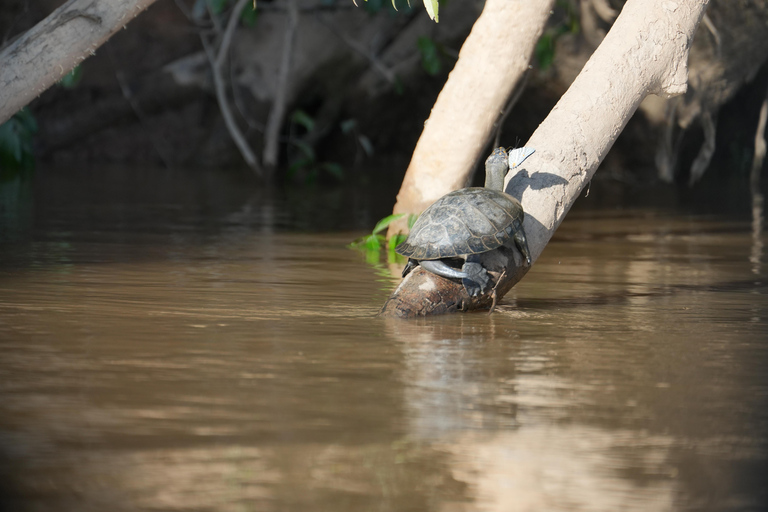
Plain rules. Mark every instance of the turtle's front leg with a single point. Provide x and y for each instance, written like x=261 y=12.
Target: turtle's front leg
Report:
x=473 y=276
x=476 y=280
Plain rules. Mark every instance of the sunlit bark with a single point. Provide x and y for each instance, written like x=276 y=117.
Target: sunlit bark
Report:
x=645 y=52
x=492 y=60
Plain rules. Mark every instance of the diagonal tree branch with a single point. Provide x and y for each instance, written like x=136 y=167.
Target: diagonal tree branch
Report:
x=491 y=62
x=645 y=52
x=50 y=49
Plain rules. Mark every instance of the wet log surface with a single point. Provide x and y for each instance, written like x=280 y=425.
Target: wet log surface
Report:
x=422 y=293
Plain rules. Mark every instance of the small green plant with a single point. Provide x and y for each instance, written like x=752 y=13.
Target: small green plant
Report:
x=545 y=47
x=248 y=16
x=372 y=244
x=16 y=142
x=430 y=56
x=306 y=164
x=71 y=79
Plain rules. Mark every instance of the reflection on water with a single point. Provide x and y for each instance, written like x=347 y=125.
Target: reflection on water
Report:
x=180 y=359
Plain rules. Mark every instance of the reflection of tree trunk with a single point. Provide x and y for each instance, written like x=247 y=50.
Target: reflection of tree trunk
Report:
x=756 y=257
x=57 y=44
x=277 y=112
x=491 y=61
x=645 y=52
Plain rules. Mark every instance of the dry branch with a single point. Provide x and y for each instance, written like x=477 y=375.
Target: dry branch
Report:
x=217 y=60
x=277 y=112
x=49 y=50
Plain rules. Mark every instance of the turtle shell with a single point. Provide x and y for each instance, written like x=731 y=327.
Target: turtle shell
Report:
x=466 y=221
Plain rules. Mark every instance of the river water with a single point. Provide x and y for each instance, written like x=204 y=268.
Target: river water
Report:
x=187 y=343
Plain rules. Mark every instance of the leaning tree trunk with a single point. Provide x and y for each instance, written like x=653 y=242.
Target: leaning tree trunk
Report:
x=646 y=51
x=48 y=51
x=492 y=60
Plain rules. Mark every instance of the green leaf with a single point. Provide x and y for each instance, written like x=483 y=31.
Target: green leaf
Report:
x=306 y=149
x=412 y=218
x=432 y=6
x=430 y=57
x=218 y=6
x=398 y=86
x=71 y=79
x=348 y=125
x=333 y=169
x=10 y=141
x=373 y=242
x=366 y=144
x=27 y=120
x=249 y=15
x=545 y=50
x=16 y=141
x=303 y=119
x=370 y=242
x=396 y=240
x=299 y=164
x=392 y=256
x=374 y=5
x=386 y=221
x=372 y=257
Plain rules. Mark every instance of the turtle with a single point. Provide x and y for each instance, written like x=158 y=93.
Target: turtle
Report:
x=468 y=222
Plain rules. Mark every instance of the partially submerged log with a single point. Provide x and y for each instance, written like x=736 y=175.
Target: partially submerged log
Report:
x=645 y=52
x=423 y=293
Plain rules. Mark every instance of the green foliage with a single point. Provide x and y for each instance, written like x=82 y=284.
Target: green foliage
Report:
x=16 y=142
x=349 y=127
x=545 y=47
x=71 y=79
x=301 y=118
x=307 y=165
x=545 y=50
x=431 y=6
x=249 y=15
x=371 y=245
x=217 y=6
x=430 y=56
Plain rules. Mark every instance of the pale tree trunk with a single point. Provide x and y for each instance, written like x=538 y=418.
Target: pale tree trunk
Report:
x=48 y=51
x=645 y=52
x=493 y=58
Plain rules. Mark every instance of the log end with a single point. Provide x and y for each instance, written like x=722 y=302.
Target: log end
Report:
x=422 y=293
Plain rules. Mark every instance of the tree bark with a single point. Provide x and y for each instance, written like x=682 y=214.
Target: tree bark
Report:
x=645 y=52
x=48 y=51
x=493 y=58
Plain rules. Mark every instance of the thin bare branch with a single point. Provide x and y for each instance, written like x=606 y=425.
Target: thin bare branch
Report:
x=229 y=120
x=136 y=108
x=376 y=63
x=226 y=39
x=277 y=112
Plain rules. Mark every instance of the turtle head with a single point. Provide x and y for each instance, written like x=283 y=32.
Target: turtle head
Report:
x=496 y=167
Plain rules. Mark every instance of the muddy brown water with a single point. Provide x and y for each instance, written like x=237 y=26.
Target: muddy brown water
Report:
x=199 y=349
